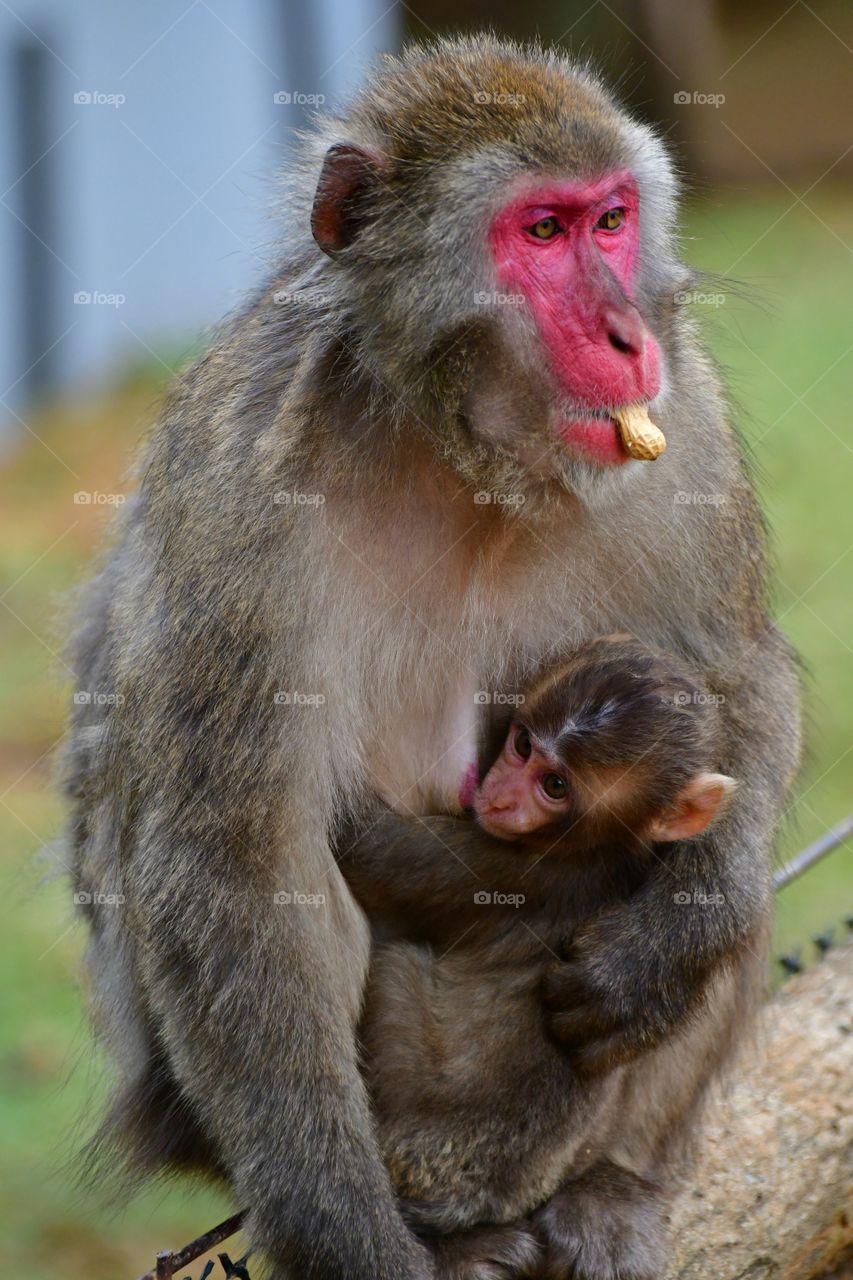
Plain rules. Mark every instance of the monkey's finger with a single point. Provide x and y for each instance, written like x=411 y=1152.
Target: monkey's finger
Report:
x=566 y=988
x=487 y=1253
x=563 y=986
x=590 y=1232
x=576 y=1030
x=573 y=1026
x=607 y=1052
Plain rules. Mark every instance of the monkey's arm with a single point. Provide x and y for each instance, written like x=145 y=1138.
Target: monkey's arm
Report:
x=237 y=1000
x=635 y=972
x=421 y=872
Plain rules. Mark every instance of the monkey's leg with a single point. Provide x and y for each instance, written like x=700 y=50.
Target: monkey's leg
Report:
x=608 y=1221
x=487 y=1253
x=257 y=1003
x=607 y=1224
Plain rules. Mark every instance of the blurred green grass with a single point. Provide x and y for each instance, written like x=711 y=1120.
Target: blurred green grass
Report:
x=785 y=340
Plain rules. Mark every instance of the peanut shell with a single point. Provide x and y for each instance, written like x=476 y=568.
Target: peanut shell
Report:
x=639 y=435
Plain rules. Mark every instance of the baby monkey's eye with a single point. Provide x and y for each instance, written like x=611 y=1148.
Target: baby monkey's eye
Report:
x=611 y=220
x=545 y=228
x=521 y=742
x=554 y=786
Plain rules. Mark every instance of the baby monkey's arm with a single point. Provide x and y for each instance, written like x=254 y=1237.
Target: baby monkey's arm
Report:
x=421 y=872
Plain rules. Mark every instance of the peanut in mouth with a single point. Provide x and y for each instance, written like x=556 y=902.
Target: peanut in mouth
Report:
x=639 y=435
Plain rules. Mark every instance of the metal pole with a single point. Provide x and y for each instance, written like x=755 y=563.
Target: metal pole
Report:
x=813 y=853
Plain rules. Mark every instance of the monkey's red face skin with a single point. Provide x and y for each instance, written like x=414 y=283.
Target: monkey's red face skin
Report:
x=525 y=790
x=571 y=250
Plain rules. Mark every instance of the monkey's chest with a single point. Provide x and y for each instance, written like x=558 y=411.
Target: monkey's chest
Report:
x=446 y=661
x=425 y=760
x=440 y=695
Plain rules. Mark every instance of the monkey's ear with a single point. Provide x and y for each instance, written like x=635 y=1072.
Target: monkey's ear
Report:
x=349 y=172
x=694 y=808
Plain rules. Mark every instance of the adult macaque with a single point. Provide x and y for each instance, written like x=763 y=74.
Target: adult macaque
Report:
x=481 y=1115
x=491 y=273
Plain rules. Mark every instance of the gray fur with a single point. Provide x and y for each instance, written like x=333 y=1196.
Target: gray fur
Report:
x=197 y=796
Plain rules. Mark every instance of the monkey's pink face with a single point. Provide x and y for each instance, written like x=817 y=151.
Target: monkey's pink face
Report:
x=571 y=250
x=525 y=790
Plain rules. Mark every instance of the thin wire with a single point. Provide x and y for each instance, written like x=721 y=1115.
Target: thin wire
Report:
x=813 y=853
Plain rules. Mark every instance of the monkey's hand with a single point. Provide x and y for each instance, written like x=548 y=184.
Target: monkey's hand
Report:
x=605 y=1224
x=638 y=971
x=605 y=1007
x=487 y=1253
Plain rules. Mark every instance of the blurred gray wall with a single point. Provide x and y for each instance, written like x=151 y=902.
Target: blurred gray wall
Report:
x=137 y=146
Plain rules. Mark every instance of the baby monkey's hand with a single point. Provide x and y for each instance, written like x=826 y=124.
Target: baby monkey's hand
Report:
x=606 y=1005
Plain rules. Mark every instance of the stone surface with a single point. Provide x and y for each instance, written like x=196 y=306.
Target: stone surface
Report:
x=772 y=1194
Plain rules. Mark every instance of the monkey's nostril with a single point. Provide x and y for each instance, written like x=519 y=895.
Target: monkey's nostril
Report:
x=625 y=331
x=619 y=343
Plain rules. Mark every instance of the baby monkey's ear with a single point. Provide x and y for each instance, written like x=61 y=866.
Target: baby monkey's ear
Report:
x=694 y=808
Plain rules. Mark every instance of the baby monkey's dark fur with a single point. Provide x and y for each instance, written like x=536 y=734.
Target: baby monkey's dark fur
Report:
x=468 y=927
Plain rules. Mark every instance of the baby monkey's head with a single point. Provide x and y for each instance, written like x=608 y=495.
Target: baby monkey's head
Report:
x=617 y=745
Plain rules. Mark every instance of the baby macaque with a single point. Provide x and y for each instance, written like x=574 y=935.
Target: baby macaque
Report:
x=481 y=1116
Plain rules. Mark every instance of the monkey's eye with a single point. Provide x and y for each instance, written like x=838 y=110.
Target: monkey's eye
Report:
x=545 y=228
x=554 y=786
x=611 y=220
x=521 y=742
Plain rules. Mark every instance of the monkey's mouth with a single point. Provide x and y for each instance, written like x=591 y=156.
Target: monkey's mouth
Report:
x=594 y=436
